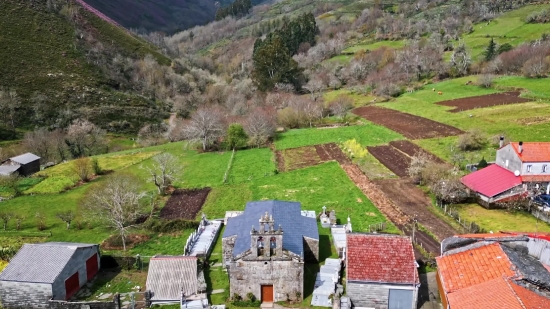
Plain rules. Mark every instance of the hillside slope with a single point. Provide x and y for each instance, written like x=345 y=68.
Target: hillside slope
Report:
x=53 y=63
x=157 y=15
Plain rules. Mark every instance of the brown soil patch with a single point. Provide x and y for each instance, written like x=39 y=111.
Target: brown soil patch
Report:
x=380 y=199
x=411 y=126
x=184 y=204
x=395 y=160
x=414 y=203
x=533 y=120
x=411 y=149
x=302 y=157
x=483 y=101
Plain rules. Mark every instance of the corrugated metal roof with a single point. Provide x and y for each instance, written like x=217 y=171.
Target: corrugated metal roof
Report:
x=25 y=158
x=491 y=180
x=287 y=214
x=167 y=276
x=40 y=263
x=7 y=170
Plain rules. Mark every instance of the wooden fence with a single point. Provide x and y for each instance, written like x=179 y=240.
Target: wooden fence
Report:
x=469 y=226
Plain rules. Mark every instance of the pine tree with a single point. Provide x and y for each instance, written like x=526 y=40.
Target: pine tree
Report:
x=490 y=52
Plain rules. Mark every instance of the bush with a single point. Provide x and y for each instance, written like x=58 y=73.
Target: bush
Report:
x=472 y=140
x=169 y=226
x=539 y=17
x=251 y=301
x=353 y=149
x=236 y=137
x=485 y=80
x=482 y=163
x=96 y=168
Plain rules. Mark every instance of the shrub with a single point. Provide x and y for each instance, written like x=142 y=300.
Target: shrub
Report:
x=472 y=140
x=236 y=137
x=485 y=80
x=538 y=17
x=82 y=168
x=353 y=149
x=96 y=168
x=168 y=226
x=482 y=163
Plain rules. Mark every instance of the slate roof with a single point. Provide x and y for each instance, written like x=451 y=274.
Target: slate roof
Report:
x=491 y=180
x=533 y=152
x=381 y=258
x=40 y=263
x=25 y=158
x=287 y=214
x=8 y=169
x=473 y=267
x=168 y=274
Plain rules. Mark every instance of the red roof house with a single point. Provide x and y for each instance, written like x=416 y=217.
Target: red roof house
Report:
x=381 y=271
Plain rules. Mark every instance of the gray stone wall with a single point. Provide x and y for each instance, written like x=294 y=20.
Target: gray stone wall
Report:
x=60 y=304
x=287 y=278
x=311 y=248
x=227 y=247
x=24 y=295
x=373 y=295
x=76 y=263
x=508 y=153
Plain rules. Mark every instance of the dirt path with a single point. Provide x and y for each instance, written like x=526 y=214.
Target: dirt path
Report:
x=401 y=220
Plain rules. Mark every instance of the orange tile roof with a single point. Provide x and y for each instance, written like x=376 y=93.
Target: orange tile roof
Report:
x=535 y=178
x=492 y=294
x=486 y=235
x=533 y=152
x=465 y=269
x=381 y=258
x=530 y=300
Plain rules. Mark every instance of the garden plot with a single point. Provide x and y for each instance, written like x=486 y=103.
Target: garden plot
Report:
x=412 y=149
x=483 y=101
x=184 y=204
x=302 y=157
x=395 y=160
x=411 y=126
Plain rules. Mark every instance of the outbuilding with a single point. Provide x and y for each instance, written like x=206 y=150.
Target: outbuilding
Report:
x=381 y=271
x=25 y=165
x=52 y=270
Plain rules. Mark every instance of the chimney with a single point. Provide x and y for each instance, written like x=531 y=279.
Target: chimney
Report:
x=501 y=142
x=520 y=147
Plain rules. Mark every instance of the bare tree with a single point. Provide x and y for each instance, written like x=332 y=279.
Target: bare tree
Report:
x=40 y=220
x=83 y=168
x=205 y=126
x=5 y=217
x=314 y=86
x=152 y=134
x=310 y=109
x=66 y=216
x=164 y=171
x=85 y=138
x=18 y=219
x=175 y=130
x=418 y=163
x=341 y=105
x=260 y=126
x=117 y=203
x=40 y=143
x=485 y=80
x=9 y=106
x=58 y=144
x=461 y=60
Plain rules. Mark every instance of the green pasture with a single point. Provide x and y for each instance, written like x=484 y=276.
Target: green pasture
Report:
x=372 y=46
x=501 y=220
x=536 y=88
x=525 y=121
x=358 y=98
x=367 y=134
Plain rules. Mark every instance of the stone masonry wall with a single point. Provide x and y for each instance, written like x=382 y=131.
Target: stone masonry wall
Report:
x=24 y=295
x=372 y=295
x=287 y=278
x=311 y=248
x=227 y=247
x=60 y=304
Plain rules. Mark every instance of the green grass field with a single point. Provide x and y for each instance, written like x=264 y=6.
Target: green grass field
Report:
x=367 y=134
x=373 y=46
x=508 y=28
x=501 y=220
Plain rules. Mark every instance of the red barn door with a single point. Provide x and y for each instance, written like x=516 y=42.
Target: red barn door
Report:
x=71 y=285
x=91 y=267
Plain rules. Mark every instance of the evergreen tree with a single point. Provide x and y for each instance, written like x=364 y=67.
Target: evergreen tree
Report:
x=491 y=50
x=482 y=163
x=274 y=64
x=236 y=137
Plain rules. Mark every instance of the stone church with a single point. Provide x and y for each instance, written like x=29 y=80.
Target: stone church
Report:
x=265 y=248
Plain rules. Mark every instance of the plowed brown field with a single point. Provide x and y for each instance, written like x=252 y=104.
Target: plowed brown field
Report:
x=295 y=158
x=184 y=203
x=412 y=149
x=483 y=101
x=411 y=126
x=395 y=160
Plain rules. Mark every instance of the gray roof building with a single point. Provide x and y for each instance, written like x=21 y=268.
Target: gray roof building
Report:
x=53 y=270
x=25 y=158
x=286 y=214
x=7 y=170
x=168 y=276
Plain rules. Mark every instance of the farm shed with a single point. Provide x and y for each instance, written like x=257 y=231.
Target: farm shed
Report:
x=381 y=271
x=25 y=165
x=265 y=249
x=52 y=270
x=490 y=271
x=172 y=279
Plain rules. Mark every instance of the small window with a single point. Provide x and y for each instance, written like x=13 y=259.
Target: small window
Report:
x=529 y=168
x=544 y=168
x=507 y=163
